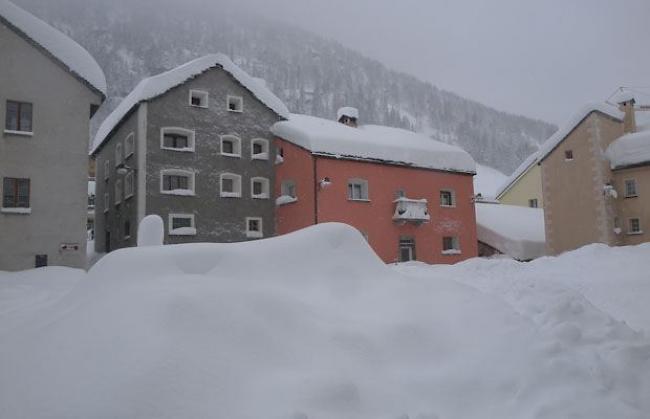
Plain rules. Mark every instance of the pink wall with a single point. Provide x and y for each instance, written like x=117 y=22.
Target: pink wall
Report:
x=375 y=218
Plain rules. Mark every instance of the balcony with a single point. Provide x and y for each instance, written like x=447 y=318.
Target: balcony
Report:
x=411 y=210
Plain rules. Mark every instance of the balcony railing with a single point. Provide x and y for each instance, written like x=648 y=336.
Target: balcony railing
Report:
x=411 y=210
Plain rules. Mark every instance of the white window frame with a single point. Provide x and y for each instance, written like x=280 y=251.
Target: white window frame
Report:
x=129 y=145
x=631 y=232
x=636 y=190
x=236 y=145
x=239 y=99
x=365 y=190
x=179 y=172
x=453 y=198
x=202 y=94
x=191 y=139
x=236 y=185
x=266 y=188
x=284 y=188
x=254 y=234
x=107 y=202
x=264 y=155
x=174 y=232
x=107 y=169
x=455 y=250
x=119 y=191
x=129 y=185
x=119 y=156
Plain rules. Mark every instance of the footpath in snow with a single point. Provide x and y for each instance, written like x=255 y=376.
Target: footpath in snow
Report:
x=314 y=325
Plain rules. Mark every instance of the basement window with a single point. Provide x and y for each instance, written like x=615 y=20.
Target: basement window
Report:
x=254 y=227
x=181 y=225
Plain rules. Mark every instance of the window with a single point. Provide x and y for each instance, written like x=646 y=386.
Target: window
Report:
x=254 y=227
x=230 y=185
x=118 y=154
x=630 y=188
x=177 y=182
x=260 y=149
x=450 y=245
x=358 y=190
x=129 y=185
x=406 y=249
x=568 y=155
x=40 y=261
x=181 y=225
x=235 y=103
x=107 y=169
x=634 y=226
x=91 y=200
x=15 y=192
x=118 y=192
x=259 y=188
x=288 y=188
x=199 y=98
x=107 y=202
x=129 y=145
x=533 y=203
x=231 y=146
x=447 y=198
x=127 y=230
x=177 y=139
x=19 y=117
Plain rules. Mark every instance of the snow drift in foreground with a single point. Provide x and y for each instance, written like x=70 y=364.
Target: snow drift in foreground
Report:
x=313 y=325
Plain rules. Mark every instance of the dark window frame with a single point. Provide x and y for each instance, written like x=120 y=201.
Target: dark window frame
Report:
x=19 y=116
x=16 y=199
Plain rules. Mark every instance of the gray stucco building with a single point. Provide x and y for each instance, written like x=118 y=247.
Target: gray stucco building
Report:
x=194 y=146
x=49 y=88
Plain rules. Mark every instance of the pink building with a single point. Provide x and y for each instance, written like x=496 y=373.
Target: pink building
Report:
x=410 y=196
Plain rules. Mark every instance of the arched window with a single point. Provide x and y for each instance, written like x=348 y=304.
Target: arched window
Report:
x=230 y=185
x=259 y=149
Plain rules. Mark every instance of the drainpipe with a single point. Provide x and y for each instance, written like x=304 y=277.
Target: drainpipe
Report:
x=315 y=183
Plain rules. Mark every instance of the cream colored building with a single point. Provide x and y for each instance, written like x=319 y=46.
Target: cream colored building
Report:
x=524 y=187
x=595 y=174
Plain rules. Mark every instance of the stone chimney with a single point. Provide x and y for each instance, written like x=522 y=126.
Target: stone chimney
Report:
x=626 y=105
x=348 y=116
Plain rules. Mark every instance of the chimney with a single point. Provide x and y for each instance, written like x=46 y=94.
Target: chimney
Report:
x=348 y=116
x=626 y=103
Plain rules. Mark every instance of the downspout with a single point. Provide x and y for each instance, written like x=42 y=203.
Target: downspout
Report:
x=315 y=183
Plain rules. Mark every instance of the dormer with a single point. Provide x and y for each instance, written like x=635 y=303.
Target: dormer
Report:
x=348 y=116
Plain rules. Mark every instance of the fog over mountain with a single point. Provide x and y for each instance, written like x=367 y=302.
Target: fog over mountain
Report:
x=135 y=39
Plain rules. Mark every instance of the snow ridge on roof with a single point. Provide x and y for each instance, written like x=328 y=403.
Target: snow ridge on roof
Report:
x=549 y=145
x=629 y=150
x=154 y=86
x=372 y=142
x=63 y=48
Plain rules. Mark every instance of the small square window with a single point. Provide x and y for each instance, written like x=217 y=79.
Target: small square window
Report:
x=181 y=225
x=532 y=203
x=260 y=188
x=18 y=117
x=630 y=188
x=15 y=193
x=231 y=146
x=447 y=198
x=568 y=155
x=254 y=227
x=235 y=103
x=288 y=188
x=199 y=98
x=450 y=245
x=40 y=261
x=230 y=185
x=260 y=149
x=358 y=190
x=634 y=226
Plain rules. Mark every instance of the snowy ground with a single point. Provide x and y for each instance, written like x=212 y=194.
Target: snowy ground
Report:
x=313 y=325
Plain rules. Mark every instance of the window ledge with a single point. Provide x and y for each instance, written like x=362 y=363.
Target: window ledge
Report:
x=23 y=133
x=231 y=155
x=260 y=156
x=236 y=110
x=254 y=234
x=263 y=196
x=20 y=211
x=182 y=150
x=128 y=155
x=128 y=196
x=451 y=252
x=358 y=200
x=199 y=106
x=127 y=238
x=285 y=199
x=447 y=206
x=184 y=231
x=631 y=196
x=634 y=233
x=230 y=195
x=179 y=192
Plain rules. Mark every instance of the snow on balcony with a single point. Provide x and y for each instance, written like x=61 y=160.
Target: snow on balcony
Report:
x=411 y=210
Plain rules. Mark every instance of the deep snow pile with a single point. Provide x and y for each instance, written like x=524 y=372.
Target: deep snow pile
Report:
x=313 y=325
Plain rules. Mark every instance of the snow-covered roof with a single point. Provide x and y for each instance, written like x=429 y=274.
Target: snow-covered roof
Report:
x=550 y=144
x=629 y=150
x=348 y=111
x=155 y=86
x=372 y=142
x=60 y=46
x=623 y=96
x=519 y=171
x=513 y=230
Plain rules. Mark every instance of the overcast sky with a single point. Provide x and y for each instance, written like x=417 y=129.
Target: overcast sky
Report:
x=542 y=58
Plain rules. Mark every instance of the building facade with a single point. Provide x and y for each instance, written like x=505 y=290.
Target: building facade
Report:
x=524 y=187
x=406 y=210
x=192 y=145
x=49 y=88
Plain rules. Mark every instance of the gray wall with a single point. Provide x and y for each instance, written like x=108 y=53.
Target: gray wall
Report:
x=216 y=219
x=55 y=158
